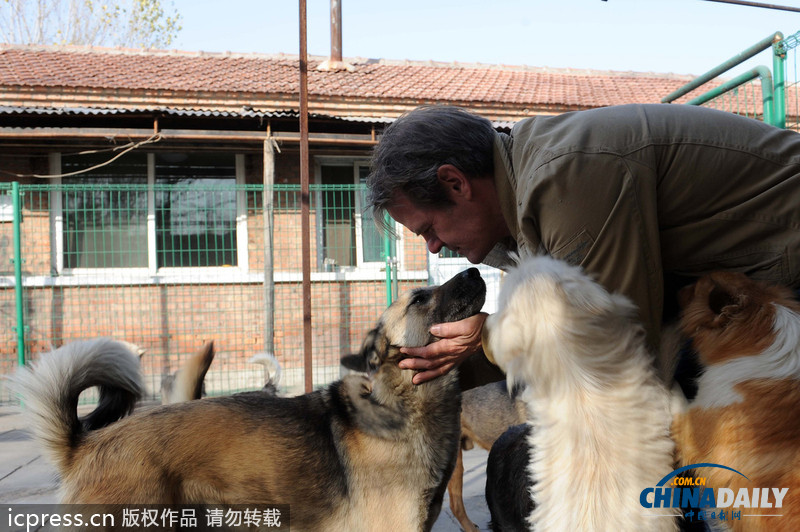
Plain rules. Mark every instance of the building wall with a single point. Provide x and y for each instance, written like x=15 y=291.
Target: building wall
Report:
x=172 y=317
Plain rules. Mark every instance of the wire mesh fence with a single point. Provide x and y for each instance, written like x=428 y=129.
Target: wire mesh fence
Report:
x=173 y=264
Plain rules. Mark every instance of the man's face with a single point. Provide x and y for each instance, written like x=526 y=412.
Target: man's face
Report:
x=461 y=227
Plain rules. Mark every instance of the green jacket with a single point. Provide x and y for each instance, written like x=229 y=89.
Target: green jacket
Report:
x=634 y=192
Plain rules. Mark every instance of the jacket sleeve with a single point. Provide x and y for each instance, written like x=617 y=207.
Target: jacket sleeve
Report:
x=599 y=211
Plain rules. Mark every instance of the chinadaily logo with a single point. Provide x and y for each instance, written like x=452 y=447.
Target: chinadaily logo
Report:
x=706 y=503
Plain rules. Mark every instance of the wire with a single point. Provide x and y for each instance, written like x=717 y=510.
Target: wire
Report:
x=757 y=4
x=125 y=149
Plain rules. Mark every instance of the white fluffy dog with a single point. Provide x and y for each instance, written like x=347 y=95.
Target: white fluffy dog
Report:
x=600 y=415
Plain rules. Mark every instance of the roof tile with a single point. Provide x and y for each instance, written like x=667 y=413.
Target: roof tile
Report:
x=76 y=67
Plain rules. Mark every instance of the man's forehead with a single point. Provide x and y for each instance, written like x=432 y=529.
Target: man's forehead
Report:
x=404 y=211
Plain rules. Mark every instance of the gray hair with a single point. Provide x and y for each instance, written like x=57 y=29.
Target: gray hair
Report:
x=414 y=146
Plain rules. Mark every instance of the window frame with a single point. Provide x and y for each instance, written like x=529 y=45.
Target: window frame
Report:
x=152 y=269
x=361 y=265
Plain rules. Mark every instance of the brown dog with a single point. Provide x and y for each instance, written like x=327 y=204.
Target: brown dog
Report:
x=369 y=452
x=486 y=413
x=747 y=336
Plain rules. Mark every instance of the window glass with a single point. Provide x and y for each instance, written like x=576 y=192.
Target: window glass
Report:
x=372 y=239
x=105 y=211
x=195 y=201
x=337 y=214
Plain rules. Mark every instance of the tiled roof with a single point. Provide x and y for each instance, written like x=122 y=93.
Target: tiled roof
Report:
x=52 y=69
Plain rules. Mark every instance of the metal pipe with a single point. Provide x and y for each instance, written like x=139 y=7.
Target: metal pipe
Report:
x=336 y=31
x=305 y=206
x=269 y=267
x=387 y=250
x=779 y=83
x=17 y=260
x=243 y=136
x=727 y=65
x=767 y=95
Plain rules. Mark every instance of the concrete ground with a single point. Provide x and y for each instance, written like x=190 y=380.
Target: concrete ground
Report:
x=26 y=477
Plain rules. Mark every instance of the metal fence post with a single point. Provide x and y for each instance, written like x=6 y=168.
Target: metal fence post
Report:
x=17 y=260
x=779 y=83
x=387 y=250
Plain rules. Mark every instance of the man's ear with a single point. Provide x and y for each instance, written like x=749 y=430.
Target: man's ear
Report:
x=454 y=181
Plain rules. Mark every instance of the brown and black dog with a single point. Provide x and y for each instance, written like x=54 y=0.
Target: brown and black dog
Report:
x=369 y=452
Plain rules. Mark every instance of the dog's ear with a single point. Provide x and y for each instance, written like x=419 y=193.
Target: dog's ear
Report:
x=354 y=362
x=369 y=356
x=725 y=304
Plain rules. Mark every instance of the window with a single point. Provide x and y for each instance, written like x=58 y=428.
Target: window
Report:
x=348 y=233
x=105 y=212
x=447 y=253
x=154 y=211
x=195 y=206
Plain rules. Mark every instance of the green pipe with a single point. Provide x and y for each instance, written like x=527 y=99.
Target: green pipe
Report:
x=387 y=251
x=779 y=83
x=17 y=260
x=727 y=65
x=766 y=90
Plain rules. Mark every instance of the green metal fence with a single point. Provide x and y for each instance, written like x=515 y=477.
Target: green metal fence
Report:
x=760 y=93
x=787 y=48
x=171 y=265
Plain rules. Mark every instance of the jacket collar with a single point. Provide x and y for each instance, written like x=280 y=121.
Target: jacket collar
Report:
x=506 y=183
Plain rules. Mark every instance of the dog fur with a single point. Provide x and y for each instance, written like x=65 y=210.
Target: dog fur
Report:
x=369 y=452
x=600 y=417
x=508 y=484
x=486 y=412
x=186 y=384
x=747 y=337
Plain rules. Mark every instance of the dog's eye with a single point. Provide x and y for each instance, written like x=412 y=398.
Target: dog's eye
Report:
x=420 y=297
x=373 y=363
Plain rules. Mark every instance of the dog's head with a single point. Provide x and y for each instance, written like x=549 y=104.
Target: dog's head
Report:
x=552 y=316
x=728 y=315
x=407 y=321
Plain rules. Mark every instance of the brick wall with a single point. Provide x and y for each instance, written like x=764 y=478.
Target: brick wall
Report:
x=171 y=320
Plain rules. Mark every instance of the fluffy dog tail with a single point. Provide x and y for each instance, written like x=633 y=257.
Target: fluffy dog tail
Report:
x=51 y=387
x=187 y=383
x=272 y=371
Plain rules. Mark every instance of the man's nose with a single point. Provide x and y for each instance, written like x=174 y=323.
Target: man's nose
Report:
x=434 y=245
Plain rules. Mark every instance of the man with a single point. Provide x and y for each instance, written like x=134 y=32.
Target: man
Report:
x=644 y=197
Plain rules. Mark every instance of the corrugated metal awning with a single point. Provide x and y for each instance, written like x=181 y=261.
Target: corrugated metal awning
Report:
x=244 y=113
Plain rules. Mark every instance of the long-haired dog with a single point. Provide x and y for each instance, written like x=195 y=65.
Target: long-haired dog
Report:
x=372 y=451
x=745 y=415
x=600 y=417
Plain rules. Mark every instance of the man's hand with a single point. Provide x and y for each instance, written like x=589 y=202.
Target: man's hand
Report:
x=459 y=339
